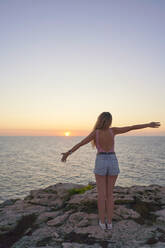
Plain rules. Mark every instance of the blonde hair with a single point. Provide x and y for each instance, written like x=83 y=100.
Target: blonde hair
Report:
x=103 y=122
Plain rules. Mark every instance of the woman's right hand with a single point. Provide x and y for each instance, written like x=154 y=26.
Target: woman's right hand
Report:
x=154 y=124
x=64 y=157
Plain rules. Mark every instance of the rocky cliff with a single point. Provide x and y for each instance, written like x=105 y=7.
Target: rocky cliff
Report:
x=65 y=215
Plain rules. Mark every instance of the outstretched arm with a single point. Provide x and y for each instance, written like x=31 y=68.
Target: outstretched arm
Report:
x=86 y=140
x=120 y=130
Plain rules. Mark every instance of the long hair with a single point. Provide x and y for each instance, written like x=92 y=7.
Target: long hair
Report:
x=103 y=122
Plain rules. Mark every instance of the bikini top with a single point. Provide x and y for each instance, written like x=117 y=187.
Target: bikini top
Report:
x=97 y=143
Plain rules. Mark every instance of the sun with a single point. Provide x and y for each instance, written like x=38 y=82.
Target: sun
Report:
x=67 y=133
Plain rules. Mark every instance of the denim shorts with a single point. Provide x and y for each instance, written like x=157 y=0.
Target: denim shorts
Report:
x=106 y=164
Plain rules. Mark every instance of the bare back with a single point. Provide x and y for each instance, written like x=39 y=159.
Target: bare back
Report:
x=105 y=140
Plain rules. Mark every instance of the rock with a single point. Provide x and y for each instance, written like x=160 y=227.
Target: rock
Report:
x=77 y=245
x=152 y=241
x=160 y=220
x=84 y=202
x=62 y=190
x=92 y=183
x=40 y=237
x=78 y=219
x=59 y=220
x=46 y=216
x=62 y=216
x=9 y=223
x=122 y=212
x=88 y=196
x=8 y=203
x=14 y=228
x=52 y=196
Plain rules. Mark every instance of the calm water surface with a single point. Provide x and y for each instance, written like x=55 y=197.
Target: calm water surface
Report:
x=28 y=163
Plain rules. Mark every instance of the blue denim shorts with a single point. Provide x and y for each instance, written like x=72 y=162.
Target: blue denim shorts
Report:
x=106 y=164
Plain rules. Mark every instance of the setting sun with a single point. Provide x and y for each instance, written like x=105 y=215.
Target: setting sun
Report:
x=67 y=133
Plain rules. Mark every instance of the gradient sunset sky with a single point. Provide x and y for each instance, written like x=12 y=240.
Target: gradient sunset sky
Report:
x=63 y=62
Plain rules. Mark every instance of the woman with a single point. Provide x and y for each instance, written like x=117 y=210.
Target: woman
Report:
x=106 y=164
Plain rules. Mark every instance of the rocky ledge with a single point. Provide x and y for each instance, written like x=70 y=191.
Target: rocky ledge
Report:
x=65 y=215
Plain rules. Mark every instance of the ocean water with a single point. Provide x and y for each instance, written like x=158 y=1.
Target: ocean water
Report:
x=28 y=163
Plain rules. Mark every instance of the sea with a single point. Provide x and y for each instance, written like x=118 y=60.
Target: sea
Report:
x=33 y=162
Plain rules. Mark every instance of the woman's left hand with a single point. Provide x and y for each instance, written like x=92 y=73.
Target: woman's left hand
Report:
x=154 y=124
x=64 y=157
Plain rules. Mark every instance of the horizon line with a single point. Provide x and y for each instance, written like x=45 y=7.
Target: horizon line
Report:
x=133 y=135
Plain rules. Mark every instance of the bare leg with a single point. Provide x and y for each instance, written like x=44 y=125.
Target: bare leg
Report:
x=110 y=183
x=101 y=190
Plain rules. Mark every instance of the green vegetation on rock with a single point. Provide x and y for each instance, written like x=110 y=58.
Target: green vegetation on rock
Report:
x=80 y=190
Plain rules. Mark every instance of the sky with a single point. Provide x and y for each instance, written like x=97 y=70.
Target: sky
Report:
x=64 y=62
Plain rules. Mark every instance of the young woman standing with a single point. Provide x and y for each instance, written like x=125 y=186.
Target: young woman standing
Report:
x=106 y=163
